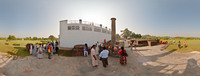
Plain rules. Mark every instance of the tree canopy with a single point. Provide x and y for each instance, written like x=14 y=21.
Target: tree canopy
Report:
x=126 y=33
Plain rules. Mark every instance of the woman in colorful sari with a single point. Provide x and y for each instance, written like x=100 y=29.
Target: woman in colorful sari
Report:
x=40 y=55
x=123 y=54
x=94 y=57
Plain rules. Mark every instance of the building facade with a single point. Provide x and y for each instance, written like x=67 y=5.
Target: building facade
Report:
x=76 y=32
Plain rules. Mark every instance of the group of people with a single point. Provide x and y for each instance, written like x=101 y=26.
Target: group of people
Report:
x=103 y=56
x=179 y=44
x=39 y=51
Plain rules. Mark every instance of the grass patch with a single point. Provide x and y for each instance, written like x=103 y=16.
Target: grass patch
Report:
x=16 y=44
x=19 y=51
x=22 y=51
x=67 y=53
x=192 y=45
x=6 y=43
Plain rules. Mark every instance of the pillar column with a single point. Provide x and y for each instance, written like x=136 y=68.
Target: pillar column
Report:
x=113 y=31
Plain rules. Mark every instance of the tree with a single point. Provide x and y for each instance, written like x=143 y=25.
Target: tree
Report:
x=11 y=37
x=126 y=33
x=35 y=38
x=51 y=37
x=117 y=36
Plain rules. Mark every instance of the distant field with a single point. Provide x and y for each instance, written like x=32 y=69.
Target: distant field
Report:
x=21 y=42
x=8 y=47
x=192 y=45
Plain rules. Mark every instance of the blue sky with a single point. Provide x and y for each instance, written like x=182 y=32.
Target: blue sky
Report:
x=24 y=18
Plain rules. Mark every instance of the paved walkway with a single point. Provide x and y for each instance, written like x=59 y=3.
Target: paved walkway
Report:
x=146 y=61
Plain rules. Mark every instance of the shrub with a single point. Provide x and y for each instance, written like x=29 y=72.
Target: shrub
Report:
x=6 y=43
x=16 y=44
x=45 y=41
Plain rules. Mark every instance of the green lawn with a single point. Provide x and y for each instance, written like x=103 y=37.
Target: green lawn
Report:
x=8 y=47
x=192 y=45
x=19 y=51
x=21 y=42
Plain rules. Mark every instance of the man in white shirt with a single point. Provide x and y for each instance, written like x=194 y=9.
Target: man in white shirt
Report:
x=104 y=56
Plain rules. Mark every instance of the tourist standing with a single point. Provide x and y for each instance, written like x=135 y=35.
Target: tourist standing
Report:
x=40 y=55
x=179 y=44
x=174 y=41
x=185 y=43
x=97 y=48
x=46 y=47
x=35 y=50
x=56 y=46
x=131 y=45
x=49 y=51
x=31 y=49
x=94 y=57
x=104 y=57
x=123 y=55
x=86 y=50
x=135 y=45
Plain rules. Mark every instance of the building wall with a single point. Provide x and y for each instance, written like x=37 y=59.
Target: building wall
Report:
x=69 y=38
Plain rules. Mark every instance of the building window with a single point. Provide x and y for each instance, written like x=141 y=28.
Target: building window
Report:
x=108 y=32
x=73 y=27
x=86 y=28
x=69 y=27
x=103 y=30
x=97 y=30
x=77 y=27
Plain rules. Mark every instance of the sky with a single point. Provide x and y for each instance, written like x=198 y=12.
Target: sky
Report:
x=40 y=18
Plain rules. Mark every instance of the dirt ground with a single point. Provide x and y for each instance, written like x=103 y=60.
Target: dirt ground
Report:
x=145 y=61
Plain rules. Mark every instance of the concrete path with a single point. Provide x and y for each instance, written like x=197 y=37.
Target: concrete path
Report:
x=146 y=61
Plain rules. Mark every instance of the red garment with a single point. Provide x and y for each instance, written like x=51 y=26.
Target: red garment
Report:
x=49 y=47
x=120 y=52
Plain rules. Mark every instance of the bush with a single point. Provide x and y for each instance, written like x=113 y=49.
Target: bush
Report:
x=6 y=43
x=16 y=44
x=45 y=41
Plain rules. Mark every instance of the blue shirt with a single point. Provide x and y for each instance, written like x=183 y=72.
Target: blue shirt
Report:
x=104 y=54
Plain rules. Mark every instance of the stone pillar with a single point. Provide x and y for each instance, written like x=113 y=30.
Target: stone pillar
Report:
x=80 y=21
x=113 y=31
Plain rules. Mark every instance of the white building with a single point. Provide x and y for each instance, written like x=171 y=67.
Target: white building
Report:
x=81 y=32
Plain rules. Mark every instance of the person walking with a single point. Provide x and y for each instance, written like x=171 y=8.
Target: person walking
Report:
x=35 y=50
x=97 y=48
x=185 y=43
x=135 y=45
x=123 y=55
x=40 y=55
x=31 y=49
x=104 y=57
x=56 y=47
x=49 y=51
x=131 y=45
x=179 y=45
x=46 y=47
x=86 y=50
x=94 y=57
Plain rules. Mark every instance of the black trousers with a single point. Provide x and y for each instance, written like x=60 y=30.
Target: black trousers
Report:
x=49 y=55
x=105 y=62
x=57 y=50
